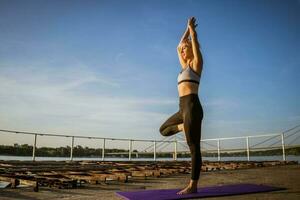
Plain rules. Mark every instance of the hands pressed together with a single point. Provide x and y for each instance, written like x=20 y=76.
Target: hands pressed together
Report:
x=192 y=23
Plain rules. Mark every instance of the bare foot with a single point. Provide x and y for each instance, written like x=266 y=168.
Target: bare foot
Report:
x=189 y=189
x=180 y=127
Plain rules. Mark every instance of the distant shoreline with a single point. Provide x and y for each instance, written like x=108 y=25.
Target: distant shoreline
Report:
x=205 y=159
x=79 y=151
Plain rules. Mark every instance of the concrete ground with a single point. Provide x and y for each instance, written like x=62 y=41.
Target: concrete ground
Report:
x=279 y=176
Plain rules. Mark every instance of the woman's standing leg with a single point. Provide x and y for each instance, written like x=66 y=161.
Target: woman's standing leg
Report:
x=192 y=129
x=192 y=121
x=196 y=157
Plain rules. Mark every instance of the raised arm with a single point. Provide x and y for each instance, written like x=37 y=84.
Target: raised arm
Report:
x=198 y=61
x=183 y=38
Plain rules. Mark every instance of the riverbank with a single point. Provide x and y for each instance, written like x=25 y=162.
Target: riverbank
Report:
x=286 y=176
x=235 y=158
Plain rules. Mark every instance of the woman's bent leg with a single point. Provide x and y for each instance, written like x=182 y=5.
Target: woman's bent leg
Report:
x=170 y=126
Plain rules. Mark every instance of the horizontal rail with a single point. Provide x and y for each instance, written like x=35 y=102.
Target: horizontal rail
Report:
x=243 y=137
x=128 y=139
x=141 y=140
x=79 y=136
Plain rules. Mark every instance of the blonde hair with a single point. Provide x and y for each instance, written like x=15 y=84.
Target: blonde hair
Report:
x=186 y=42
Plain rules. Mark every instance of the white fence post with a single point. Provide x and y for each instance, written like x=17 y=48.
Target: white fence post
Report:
x=34 y=147
x=219 y=156
x=154 y=150
x=72 y=147
x=283 y=149
x=248 y=149
x=130 y=149
x=175 y=150
x=103 y=149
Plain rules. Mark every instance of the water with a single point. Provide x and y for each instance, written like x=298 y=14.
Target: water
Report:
x=252 y=158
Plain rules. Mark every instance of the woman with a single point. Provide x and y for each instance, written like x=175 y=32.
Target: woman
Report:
x=190 y=114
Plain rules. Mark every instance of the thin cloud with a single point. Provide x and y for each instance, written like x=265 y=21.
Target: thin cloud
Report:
x=50 y=103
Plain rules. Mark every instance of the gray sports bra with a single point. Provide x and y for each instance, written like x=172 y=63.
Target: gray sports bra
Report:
x=188 y=75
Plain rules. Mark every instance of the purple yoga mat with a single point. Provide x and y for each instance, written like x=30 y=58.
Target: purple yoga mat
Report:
x=166 y=194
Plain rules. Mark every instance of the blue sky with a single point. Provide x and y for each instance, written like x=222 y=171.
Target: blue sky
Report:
x=109 y=68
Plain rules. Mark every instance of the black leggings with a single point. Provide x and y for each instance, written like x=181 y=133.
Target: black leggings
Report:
x=190 y=114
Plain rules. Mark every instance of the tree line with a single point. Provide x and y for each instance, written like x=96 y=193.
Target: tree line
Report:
x=79 y=151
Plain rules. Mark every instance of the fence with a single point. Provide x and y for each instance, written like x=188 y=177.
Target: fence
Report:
x=214 y=144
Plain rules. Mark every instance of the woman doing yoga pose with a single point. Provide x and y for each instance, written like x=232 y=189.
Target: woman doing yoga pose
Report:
x=190 y=114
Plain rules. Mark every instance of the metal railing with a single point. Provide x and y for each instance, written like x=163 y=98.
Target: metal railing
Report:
x=175 y=142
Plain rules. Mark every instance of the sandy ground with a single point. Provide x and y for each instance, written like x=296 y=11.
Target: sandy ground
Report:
x=281 y=176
